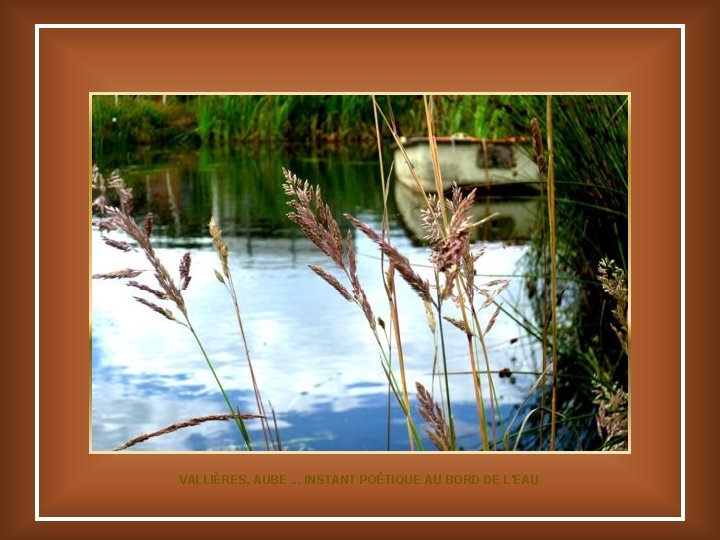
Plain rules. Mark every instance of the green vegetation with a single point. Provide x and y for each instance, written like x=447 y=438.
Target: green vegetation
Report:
x=591 y=217
x=581 y=392
x=578 y=262
x=125 y=122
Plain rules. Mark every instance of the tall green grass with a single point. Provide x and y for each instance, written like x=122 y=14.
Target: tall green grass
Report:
x=231 y=120
x=591 y=223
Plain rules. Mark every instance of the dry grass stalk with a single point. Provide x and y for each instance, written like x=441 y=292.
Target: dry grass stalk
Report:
x=314 y=217
x=332 y=281
x=127 y=224
x=221 y=247
x=104 y=224
x=450 y=246
x=184 y=269
x=158 y=309
x=553 y=267
x=491 y=290
x=493 y=318
x=227 y=280
x=437 y=429
x=430 y=316
x=186 y=423
x=119 y=218
x=460 y=325
x=431 y=218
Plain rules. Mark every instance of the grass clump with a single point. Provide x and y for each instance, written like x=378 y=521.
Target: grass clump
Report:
x=587 y=208
x=167 y=296
x=453 y=290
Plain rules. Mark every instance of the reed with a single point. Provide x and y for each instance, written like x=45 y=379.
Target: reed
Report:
x=206 y=117
x=232 y=120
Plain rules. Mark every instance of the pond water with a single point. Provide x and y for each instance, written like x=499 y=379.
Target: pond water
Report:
x=314 y=356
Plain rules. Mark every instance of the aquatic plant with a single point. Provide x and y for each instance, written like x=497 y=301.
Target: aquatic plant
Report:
x=590 y=193
x=229 y=120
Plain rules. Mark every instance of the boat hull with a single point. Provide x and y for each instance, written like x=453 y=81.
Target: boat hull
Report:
x=465 y=161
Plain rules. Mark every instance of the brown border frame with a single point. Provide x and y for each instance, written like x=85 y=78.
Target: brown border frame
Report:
x=64 y=52
x=71 y=480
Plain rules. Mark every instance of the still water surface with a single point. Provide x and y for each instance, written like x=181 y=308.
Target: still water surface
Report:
x=315 y=359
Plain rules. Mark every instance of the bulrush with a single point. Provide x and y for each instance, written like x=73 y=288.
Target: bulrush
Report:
x=538 y=146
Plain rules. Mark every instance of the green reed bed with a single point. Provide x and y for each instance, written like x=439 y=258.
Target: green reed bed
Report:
x=128 y=121
x=590 y=209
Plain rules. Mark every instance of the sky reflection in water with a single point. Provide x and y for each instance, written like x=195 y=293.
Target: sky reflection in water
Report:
x=315 y=359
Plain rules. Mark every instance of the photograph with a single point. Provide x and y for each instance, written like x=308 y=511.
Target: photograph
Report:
x=334 y=272
x=320 y=273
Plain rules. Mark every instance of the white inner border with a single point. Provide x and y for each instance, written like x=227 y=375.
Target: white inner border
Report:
x=39 y=27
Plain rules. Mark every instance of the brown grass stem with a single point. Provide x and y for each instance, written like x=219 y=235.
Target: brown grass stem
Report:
x=553 y=268
x=454 y=232
x=388 y=277
x=395 y=320
x=437 y=428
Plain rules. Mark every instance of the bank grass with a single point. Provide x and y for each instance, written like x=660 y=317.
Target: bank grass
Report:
x=124 y=122
x=590 y=207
